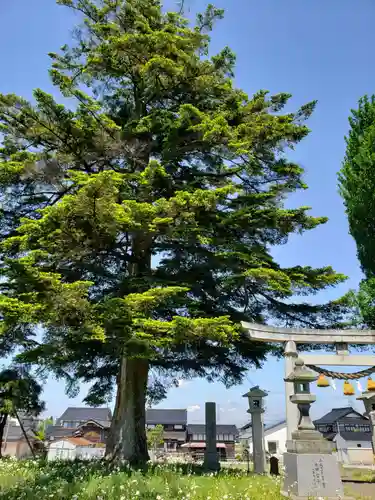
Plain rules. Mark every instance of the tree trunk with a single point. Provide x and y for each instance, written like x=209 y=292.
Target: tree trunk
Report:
x=3 y=422
x=25 y=434
x=127 y=437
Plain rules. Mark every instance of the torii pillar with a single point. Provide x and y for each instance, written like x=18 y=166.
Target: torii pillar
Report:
x=291 y=410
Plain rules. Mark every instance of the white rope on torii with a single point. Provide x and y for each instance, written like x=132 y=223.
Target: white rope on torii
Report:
x=290 y=337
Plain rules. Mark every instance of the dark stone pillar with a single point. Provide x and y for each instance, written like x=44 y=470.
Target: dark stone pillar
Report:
x=211 y=459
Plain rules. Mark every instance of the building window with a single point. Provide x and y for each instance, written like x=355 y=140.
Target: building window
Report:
x=272 y=447
x=195 y=437
x=178 y=427
x=200 y=437
x=230 y=437
x=220 y=437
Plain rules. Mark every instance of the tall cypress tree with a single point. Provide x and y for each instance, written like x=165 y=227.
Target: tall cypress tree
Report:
x=357 y=188
x=137 y=226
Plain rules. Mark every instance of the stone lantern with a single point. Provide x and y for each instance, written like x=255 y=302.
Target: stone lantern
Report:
x=256 y=409
x=302 y=397
x=368 y=399
x=310 y=468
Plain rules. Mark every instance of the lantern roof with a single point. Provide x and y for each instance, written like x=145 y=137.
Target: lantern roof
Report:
x=255 y=392
x=301 y=373
x=366 y=395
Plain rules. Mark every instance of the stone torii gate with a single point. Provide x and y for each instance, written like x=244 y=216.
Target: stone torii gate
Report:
x=292 y=336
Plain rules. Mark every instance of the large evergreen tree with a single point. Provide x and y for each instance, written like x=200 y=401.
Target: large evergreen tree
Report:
x=137 y=226
x=357 y=188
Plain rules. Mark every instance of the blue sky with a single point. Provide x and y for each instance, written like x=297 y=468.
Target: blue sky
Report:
x=312 y=49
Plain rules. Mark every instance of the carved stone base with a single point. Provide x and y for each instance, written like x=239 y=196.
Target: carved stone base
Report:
x=321 y=446
x=312 y=475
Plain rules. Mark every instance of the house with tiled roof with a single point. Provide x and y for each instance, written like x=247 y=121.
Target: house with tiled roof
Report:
x=226 y=435
x=342 y=420
x=350 y=432
x=94 y=423
x=174 y=423
x=90 y=423
x=14 y=442
x=275 y=437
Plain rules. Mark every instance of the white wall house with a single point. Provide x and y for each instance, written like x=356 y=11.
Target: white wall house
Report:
x=275 y=437
x=73 y=447
x=354 y=448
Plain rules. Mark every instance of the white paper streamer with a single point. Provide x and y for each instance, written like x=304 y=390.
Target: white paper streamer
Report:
x=333 y=384
x=359 y=386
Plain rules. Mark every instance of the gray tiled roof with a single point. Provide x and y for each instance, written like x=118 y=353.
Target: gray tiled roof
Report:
x=85 y=413
x=269 y=427
x=104 y=423
x=220 y=429
x=356 y=436
x=56 y=431
x=360 y=420
x=156 y=416
x=14 y=433
x=336 y=414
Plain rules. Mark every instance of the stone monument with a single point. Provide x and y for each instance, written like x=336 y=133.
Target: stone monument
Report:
x=256 y=410
x=311 y=470
x=211 y=459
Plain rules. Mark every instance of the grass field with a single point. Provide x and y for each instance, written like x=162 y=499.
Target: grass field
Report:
x=33 y=479
x=77 y=480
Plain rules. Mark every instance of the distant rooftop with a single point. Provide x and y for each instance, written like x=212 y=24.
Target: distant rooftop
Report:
x=155 y=416
x=270 y=427
x=14 y=433
x=338 y=414
x=356 y=436
x=220 y=429
x=73 y=414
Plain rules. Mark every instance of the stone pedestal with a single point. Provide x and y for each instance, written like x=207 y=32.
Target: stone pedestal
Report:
x=311 y=476
x=311 y=471
x=211 y=459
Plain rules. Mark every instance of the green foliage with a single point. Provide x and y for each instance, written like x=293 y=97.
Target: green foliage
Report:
x=140 y=222
x=67 y=480
x=19 y=392
x=357 y=188
x=40 y=433
x=155 y=436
